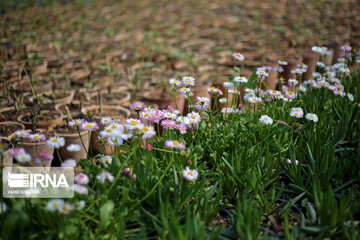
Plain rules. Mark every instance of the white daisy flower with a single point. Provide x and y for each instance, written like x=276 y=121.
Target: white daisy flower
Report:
x=69 y=163
x=265 y=119
x=242 y=80
x=106 y=120
x=66 y=208
x=188 y=81
x=302 y=88
x=56 y=142
x=320 y=64
x=297 y=112
x=293 y=82
x=234 y=91
x=23 y=158
x=185 y=90
x=254 y=99
x=73 y=148
x=202 y=103
x=183 y=120
x=21 y=134
x=316 y=75
x=103 y=176
x=81 y=178
x=228 y=85
x=194 y=117
x=106 y=160
x=109 y=132
x=351 y=97
x=223 y=100
x=55 y=204
x=81 y=205
x=284 y=63
x=174 y=82
x=190 y=174
x=81 y=189
x=115 y=141
x=312 y=117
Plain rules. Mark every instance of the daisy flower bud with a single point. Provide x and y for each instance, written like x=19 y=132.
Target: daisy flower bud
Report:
x=106 y=160
x=289 y=161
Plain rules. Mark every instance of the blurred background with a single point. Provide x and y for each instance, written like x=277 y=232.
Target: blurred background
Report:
x=156 y=40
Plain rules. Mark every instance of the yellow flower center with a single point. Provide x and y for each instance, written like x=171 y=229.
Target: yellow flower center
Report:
x=89 y=125
x=55 y=205
x=133 y=123
x=55 y=140
x=36 y=137
x=190 y=173
x=146 y=129
x=176 y=143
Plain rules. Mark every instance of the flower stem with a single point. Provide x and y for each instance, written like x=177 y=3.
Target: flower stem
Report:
x=82 y=142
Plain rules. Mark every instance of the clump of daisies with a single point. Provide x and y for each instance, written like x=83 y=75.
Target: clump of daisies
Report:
x=297 y=112
x=25 y=135
x=60 y=206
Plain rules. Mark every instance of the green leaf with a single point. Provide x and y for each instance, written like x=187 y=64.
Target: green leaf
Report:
x=105 y=214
